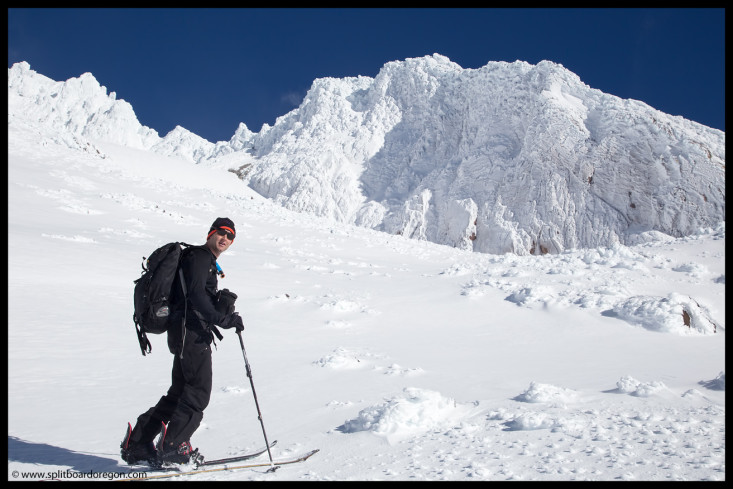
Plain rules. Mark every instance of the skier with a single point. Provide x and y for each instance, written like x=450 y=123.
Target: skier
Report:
x=182 y=408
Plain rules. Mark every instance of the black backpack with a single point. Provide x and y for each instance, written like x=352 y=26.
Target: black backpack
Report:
x=153 y=292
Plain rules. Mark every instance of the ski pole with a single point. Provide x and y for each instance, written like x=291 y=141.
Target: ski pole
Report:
x=257 y=404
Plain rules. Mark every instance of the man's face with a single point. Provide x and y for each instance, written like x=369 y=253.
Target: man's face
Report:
x=218 y=244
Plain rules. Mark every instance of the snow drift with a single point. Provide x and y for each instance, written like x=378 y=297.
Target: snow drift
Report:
x=416 y=411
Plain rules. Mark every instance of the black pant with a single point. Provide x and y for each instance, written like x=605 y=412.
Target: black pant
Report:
x=183 y=406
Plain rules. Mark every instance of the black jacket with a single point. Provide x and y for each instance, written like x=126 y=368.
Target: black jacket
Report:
x=199 y=270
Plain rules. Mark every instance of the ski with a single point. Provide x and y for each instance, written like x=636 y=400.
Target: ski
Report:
x=225 y=466
x=238 y=458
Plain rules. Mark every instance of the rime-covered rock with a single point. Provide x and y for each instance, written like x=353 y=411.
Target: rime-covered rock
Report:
x=506 y=158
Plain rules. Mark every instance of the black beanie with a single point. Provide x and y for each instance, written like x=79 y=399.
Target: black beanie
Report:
x=223 y=222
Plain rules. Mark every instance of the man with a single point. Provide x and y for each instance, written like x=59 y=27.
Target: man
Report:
x=182 y=408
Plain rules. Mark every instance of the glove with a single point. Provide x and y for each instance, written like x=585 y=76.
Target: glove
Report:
x=225 y=301
x=233 y=320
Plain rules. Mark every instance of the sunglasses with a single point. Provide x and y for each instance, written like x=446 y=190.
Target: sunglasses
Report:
x=224 y=232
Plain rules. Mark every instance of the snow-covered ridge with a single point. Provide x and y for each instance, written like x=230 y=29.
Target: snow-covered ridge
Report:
x=79 y=106
x=509 y=157
x=82 y=108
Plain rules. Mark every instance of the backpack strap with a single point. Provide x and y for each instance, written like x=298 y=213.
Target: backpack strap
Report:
x=186 y=247
x=142 y=338
x=185 y=306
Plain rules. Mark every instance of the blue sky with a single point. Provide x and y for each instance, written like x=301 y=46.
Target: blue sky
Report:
x=210 y=69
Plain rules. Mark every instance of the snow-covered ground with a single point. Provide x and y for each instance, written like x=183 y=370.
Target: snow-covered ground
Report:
x=398 y=359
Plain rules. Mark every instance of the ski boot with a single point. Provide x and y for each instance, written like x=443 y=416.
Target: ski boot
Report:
x=182 y=454
x=134 y=453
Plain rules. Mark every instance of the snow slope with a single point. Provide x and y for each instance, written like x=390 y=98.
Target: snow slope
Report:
x=399 y=359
